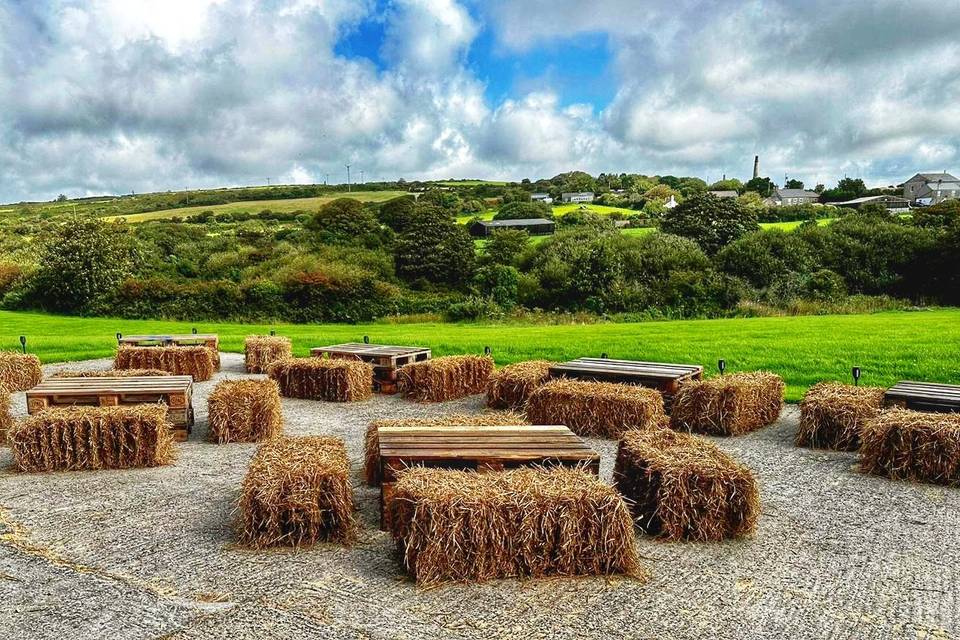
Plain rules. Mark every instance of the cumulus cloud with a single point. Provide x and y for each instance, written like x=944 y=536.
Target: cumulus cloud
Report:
x=120 y=95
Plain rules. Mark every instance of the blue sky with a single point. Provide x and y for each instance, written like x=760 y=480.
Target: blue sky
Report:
x=113 y=96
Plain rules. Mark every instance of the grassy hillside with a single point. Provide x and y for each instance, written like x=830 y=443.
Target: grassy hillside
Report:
x=256 y=206
x=805 y=349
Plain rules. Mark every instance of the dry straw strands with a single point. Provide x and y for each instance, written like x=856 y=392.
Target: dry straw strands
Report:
x=333 y=380
x=245 y=411
x=372 y=442
x=511 y=386
x=112 y=373
x=79 y=438
x=912 y=445
x=6 y=419
x=297 y=492
x=445 y=378
x=832 y=415
x=596 y=408
x=195 y=361
x=728 y=405
x=684 y=487
x=259 y=352
x=467 y=526
x=19 y=371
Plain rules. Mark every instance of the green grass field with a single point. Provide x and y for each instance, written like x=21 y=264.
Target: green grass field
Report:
x=922 y=345
x=256 y=206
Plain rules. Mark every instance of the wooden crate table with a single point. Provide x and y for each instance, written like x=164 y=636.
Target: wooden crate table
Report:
x=924 y=396
x=209 y=340
x=386 y=359
x=174 y=391
x=493 y=448
x=664 y=377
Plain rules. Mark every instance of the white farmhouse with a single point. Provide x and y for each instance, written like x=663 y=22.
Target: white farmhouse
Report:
x=931 y=188
x=578 y=196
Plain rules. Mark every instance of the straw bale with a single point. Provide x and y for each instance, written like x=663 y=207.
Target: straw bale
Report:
x=259 y=352
x=445 y=378
x=510 y=387
x=245 y=411
x=330 y=379
x=297 y=492
x=112 y=373
x=728 y=405
x=596 y=408
x=19 y=371
x=77 y=438
x=6 y=418
x=372 y=441
x=832 y=415
x=683 y=487
x=470 y=527
x=196 y=361
x=912 y=445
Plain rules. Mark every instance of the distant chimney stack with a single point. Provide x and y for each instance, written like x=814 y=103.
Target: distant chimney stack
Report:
x=756 y=166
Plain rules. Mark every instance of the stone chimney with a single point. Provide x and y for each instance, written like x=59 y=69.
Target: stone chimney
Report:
x=756 y=166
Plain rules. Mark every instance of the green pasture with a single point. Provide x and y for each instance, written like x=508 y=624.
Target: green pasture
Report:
x=921 y=345
x=256 y=206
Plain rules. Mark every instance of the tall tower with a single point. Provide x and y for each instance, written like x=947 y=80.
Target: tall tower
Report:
x=756 y=166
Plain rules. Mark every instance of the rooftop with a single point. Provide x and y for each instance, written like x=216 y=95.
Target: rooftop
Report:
x=522 y=222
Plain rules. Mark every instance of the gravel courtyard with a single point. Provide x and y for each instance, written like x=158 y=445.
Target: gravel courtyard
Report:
x=151 y=554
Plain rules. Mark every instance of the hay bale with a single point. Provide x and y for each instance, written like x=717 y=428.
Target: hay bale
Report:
x=446 y=378
x=511 y=386
x=196 y=361
x=684 y=487
x=297 y=492
x=259 y=352
x=902 y=444
x=329 y=379
x=78 y=438
x=596 y=408
x=832 y=415
x=112 y=373
x=372 y=441
x=245 y=411
x=728 y=405
x=6 y=418
x=467 y=526
x=19 y=371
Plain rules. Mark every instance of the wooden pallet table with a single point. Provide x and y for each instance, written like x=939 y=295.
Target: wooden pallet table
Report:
x=924 y=396
x=386 y=359
x=493 y=448
x=664 y=377
x=209 y=340
x=174 y=391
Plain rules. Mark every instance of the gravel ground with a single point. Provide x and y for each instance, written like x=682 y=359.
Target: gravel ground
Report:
x=150 y=553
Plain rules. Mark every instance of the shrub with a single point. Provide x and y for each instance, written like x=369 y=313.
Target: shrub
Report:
x=344 y=221
x=436 y=249
x=711 y=222
x=499 y=283
x=398 y=213
x=506 y=245
x=524 y=210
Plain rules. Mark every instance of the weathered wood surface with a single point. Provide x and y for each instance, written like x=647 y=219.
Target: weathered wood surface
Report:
x=210 y=340
x=386 y=359
x=174 y=391
x=924 y=396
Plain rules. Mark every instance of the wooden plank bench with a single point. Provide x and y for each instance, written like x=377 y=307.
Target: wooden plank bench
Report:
x=209 y=340
x=386 y=359
x=174 y=391
x=492 y=448
x=924 y=396
x=664 y=377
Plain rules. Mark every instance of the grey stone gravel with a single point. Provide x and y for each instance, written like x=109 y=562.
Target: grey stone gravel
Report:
x=150 y=553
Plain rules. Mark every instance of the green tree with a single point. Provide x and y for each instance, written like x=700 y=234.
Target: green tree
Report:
x=344 y=221
x=711 y=222
x=435 y=249
x=505 y=246
x=81 y=261
x=793 y=184
x=524 y=210
x=763 y=186
x=398 y=212
x=498 y=283
x=939 y=215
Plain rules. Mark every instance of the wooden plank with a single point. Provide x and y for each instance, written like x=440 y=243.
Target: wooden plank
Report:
x=654 y=366
x=922 y=395
x=639 y=372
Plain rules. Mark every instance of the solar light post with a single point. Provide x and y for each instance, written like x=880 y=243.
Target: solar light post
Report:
x=722 y=365
x=603 y=356
x=366 y=339
x=273 y=332
x=487 y=351
x=23 y=343
x=119 y=337
x=856 y=376
x=194 y=331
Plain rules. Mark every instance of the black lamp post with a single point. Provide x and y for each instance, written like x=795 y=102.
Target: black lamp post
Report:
x=119 y=337
x=603 y=356
x=487 y=351
x=722 y=365
x=366 y=339
x=856 y=376
x=23 y=343
x=194 y=331
x=273 y=332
